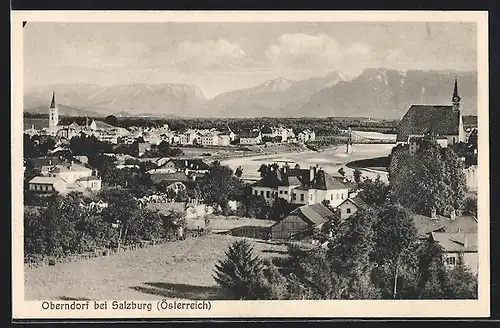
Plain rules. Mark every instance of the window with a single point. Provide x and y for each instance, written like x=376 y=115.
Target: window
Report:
x=255 y=192
x=294 y=196
x=331 y=197
x=342 y=196
x=311 y=196
x=301 y=197
x=267 y=194
x=262 y=193
x=451 y=260
x=286 y=192
x=281 y=192
x=348 y=211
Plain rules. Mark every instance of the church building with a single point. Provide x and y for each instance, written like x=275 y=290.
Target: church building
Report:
x=443 y=122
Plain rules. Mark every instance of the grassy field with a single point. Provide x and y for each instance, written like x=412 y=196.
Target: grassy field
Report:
x=175 y=270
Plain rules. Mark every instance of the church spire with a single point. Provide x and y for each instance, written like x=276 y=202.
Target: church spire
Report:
x=53 y=102
x=455 y=100
x=455 y=89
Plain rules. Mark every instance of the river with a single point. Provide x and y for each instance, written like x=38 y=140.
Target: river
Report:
x=331 y=160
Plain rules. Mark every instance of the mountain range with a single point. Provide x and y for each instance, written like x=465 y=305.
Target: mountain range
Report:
x=376 y=93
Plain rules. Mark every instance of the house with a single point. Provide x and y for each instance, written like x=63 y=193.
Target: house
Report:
x=301 y=222
x=223 y=140
x=444 y=121
x=210 y=138
x=350 y=206
x=306 y=136
x=65 y=178
x=427 y=224
x=458 y=248
x=300 y=186
x=253 y=137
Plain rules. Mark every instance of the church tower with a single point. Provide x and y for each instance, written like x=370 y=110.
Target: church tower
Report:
x=53 y=112
x=455 y=100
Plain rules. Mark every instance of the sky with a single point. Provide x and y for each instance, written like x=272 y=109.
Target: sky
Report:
x=220 y=57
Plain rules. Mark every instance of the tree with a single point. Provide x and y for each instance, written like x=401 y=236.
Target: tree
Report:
x=219 y=185
x=122 y=207
x=255 y=206
x=374 y=192
x=470 y=205
x=395 y=240
x=357 y=175
x=111 y=120
x=239 y=172
x=461 y=283
x=240 y=273
x=431 y=178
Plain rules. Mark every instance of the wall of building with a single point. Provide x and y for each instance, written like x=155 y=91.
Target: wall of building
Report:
x=347 y=209
x=288 y=227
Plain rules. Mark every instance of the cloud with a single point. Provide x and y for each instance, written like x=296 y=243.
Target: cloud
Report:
x=205 y=55
x=315 y=52
x=95 y=55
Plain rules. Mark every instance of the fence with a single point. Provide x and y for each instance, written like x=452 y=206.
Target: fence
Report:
x=36 y=261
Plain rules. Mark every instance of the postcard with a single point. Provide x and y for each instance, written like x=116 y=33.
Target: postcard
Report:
x=250 y=164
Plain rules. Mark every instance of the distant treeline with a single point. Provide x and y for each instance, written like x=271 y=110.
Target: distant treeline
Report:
x=322 y=126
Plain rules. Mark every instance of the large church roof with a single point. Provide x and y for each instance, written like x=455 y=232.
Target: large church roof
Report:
x=428 y=119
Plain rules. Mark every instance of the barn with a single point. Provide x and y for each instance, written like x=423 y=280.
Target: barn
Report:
x=301 y=222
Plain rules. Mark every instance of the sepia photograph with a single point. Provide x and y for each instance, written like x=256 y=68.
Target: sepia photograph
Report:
x=193 y=162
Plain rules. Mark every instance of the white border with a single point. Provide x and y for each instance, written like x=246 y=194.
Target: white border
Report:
x=455 y=308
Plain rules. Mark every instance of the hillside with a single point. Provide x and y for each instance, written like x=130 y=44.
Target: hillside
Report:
x=133 y=99
x=376 y=93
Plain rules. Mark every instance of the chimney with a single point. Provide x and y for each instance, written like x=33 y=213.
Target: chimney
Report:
x=433 y=213
x=186 y=163
x=312 y=173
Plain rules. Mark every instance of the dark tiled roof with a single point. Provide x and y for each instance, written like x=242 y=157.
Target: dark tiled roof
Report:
x=248 y=134
x=456 y=241
x=324 y=181
x=426 y=225
x=316 y=214
x=356 y=201
x=301 y=177
x=427 y=119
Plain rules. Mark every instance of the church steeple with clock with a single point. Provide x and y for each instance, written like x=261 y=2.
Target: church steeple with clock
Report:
x=455 y=100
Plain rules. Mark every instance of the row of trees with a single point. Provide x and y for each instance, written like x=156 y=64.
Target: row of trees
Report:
x=322 y=126
x=62 y=226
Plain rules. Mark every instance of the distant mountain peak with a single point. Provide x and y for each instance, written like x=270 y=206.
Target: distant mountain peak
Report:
x=275 y=85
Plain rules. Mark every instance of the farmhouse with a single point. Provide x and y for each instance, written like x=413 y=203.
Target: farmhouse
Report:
x=441 y=121
x=65 y=178
x=250 y=137
x=438 y=223
x=301 y=222
x=458 y=248
x=300 y=186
